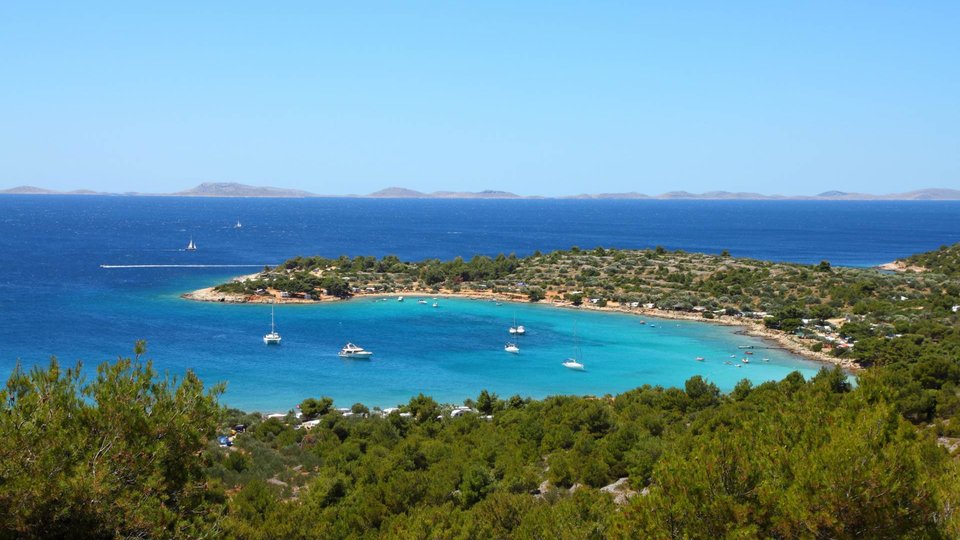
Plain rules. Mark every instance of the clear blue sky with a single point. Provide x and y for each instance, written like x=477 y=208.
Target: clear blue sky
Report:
x=532 y=97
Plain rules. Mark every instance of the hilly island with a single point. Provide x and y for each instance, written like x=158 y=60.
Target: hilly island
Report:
x=233 y=189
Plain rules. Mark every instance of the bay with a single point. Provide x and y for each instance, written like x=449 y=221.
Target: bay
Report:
x=57 y=300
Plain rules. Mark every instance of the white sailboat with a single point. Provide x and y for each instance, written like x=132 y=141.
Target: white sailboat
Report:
x=191 y=246
x=273 y=338
x=238 y=225
x=518 y=330
x=575 y=363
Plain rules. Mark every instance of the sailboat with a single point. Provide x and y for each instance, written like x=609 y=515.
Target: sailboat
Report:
x=517 y=330
x=574 y=363
x=191 y=246
x=238 y=225
x=273 y=338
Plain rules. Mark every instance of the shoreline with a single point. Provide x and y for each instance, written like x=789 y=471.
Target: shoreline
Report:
x=750 y=327
x=900 y=266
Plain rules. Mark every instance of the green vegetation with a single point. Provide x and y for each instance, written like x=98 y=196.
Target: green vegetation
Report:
x=119 y=456
x=945 y=260
x=788 y=459
x=128 y=454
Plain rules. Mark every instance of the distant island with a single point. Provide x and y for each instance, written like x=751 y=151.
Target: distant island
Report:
x=233 y=189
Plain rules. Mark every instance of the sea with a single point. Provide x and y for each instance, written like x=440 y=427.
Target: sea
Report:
x=83 y=277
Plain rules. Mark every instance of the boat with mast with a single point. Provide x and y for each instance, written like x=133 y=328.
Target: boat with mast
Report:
x=273 y=338
x=238 y=225
x=517 y=330
x=575 y=363
x=191 y=246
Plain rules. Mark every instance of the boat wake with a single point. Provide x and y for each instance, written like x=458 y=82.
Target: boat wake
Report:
x=182 y=266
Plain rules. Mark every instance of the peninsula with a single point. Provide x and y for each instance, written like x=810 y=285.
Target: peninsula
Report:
x=849 y=316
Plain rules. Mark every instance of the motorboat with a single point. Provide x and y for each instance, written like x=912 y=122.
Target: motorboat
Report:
x=511 y=348
x=353 y=351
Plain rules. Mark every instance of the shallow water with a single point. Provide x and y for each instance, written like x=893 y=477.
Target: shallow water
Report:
x=450 y=352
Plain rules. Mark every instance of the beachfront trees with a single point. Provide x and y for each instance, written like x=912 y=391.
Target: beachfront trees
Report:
x=536 y=294
x=335 y=286
x=120 y=455
x=311 y=408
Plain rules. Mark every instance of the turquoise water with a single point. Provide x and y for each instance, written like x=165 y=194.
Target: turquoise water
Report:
x=453 y=351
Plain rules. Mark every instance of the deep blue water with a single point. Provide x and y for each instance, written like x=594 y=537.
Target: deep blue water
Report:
x=56 y=299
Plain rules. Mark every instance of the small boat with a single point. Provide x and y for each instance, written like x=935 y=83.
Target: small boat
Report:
x=191 y=246
x=766 y=359
x=571 y=363
x=353 y=351
x=733 y=356
x=748 y=352
x=745 y=346
x=653 y=326
x=521 y=330
x=745 y=360
x=574 y=363
x=511 y=348
x=700 y=359
x=499 y=304
x=273 y=338
x=399 y=299
x=421 y=301
x=643 y=322
x=238 y=225
x=436 y=304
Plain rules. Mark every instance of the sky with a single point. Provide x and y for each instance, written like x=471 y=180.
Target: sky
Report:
x=536 y=98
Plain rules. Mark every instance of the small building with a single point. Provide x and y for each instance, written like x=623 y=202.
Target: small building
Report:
x=460 y=411
x=309 y=424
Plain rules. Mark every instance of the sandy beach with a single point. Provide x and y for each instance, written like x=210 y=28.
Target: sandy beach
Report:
x=900 y=266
